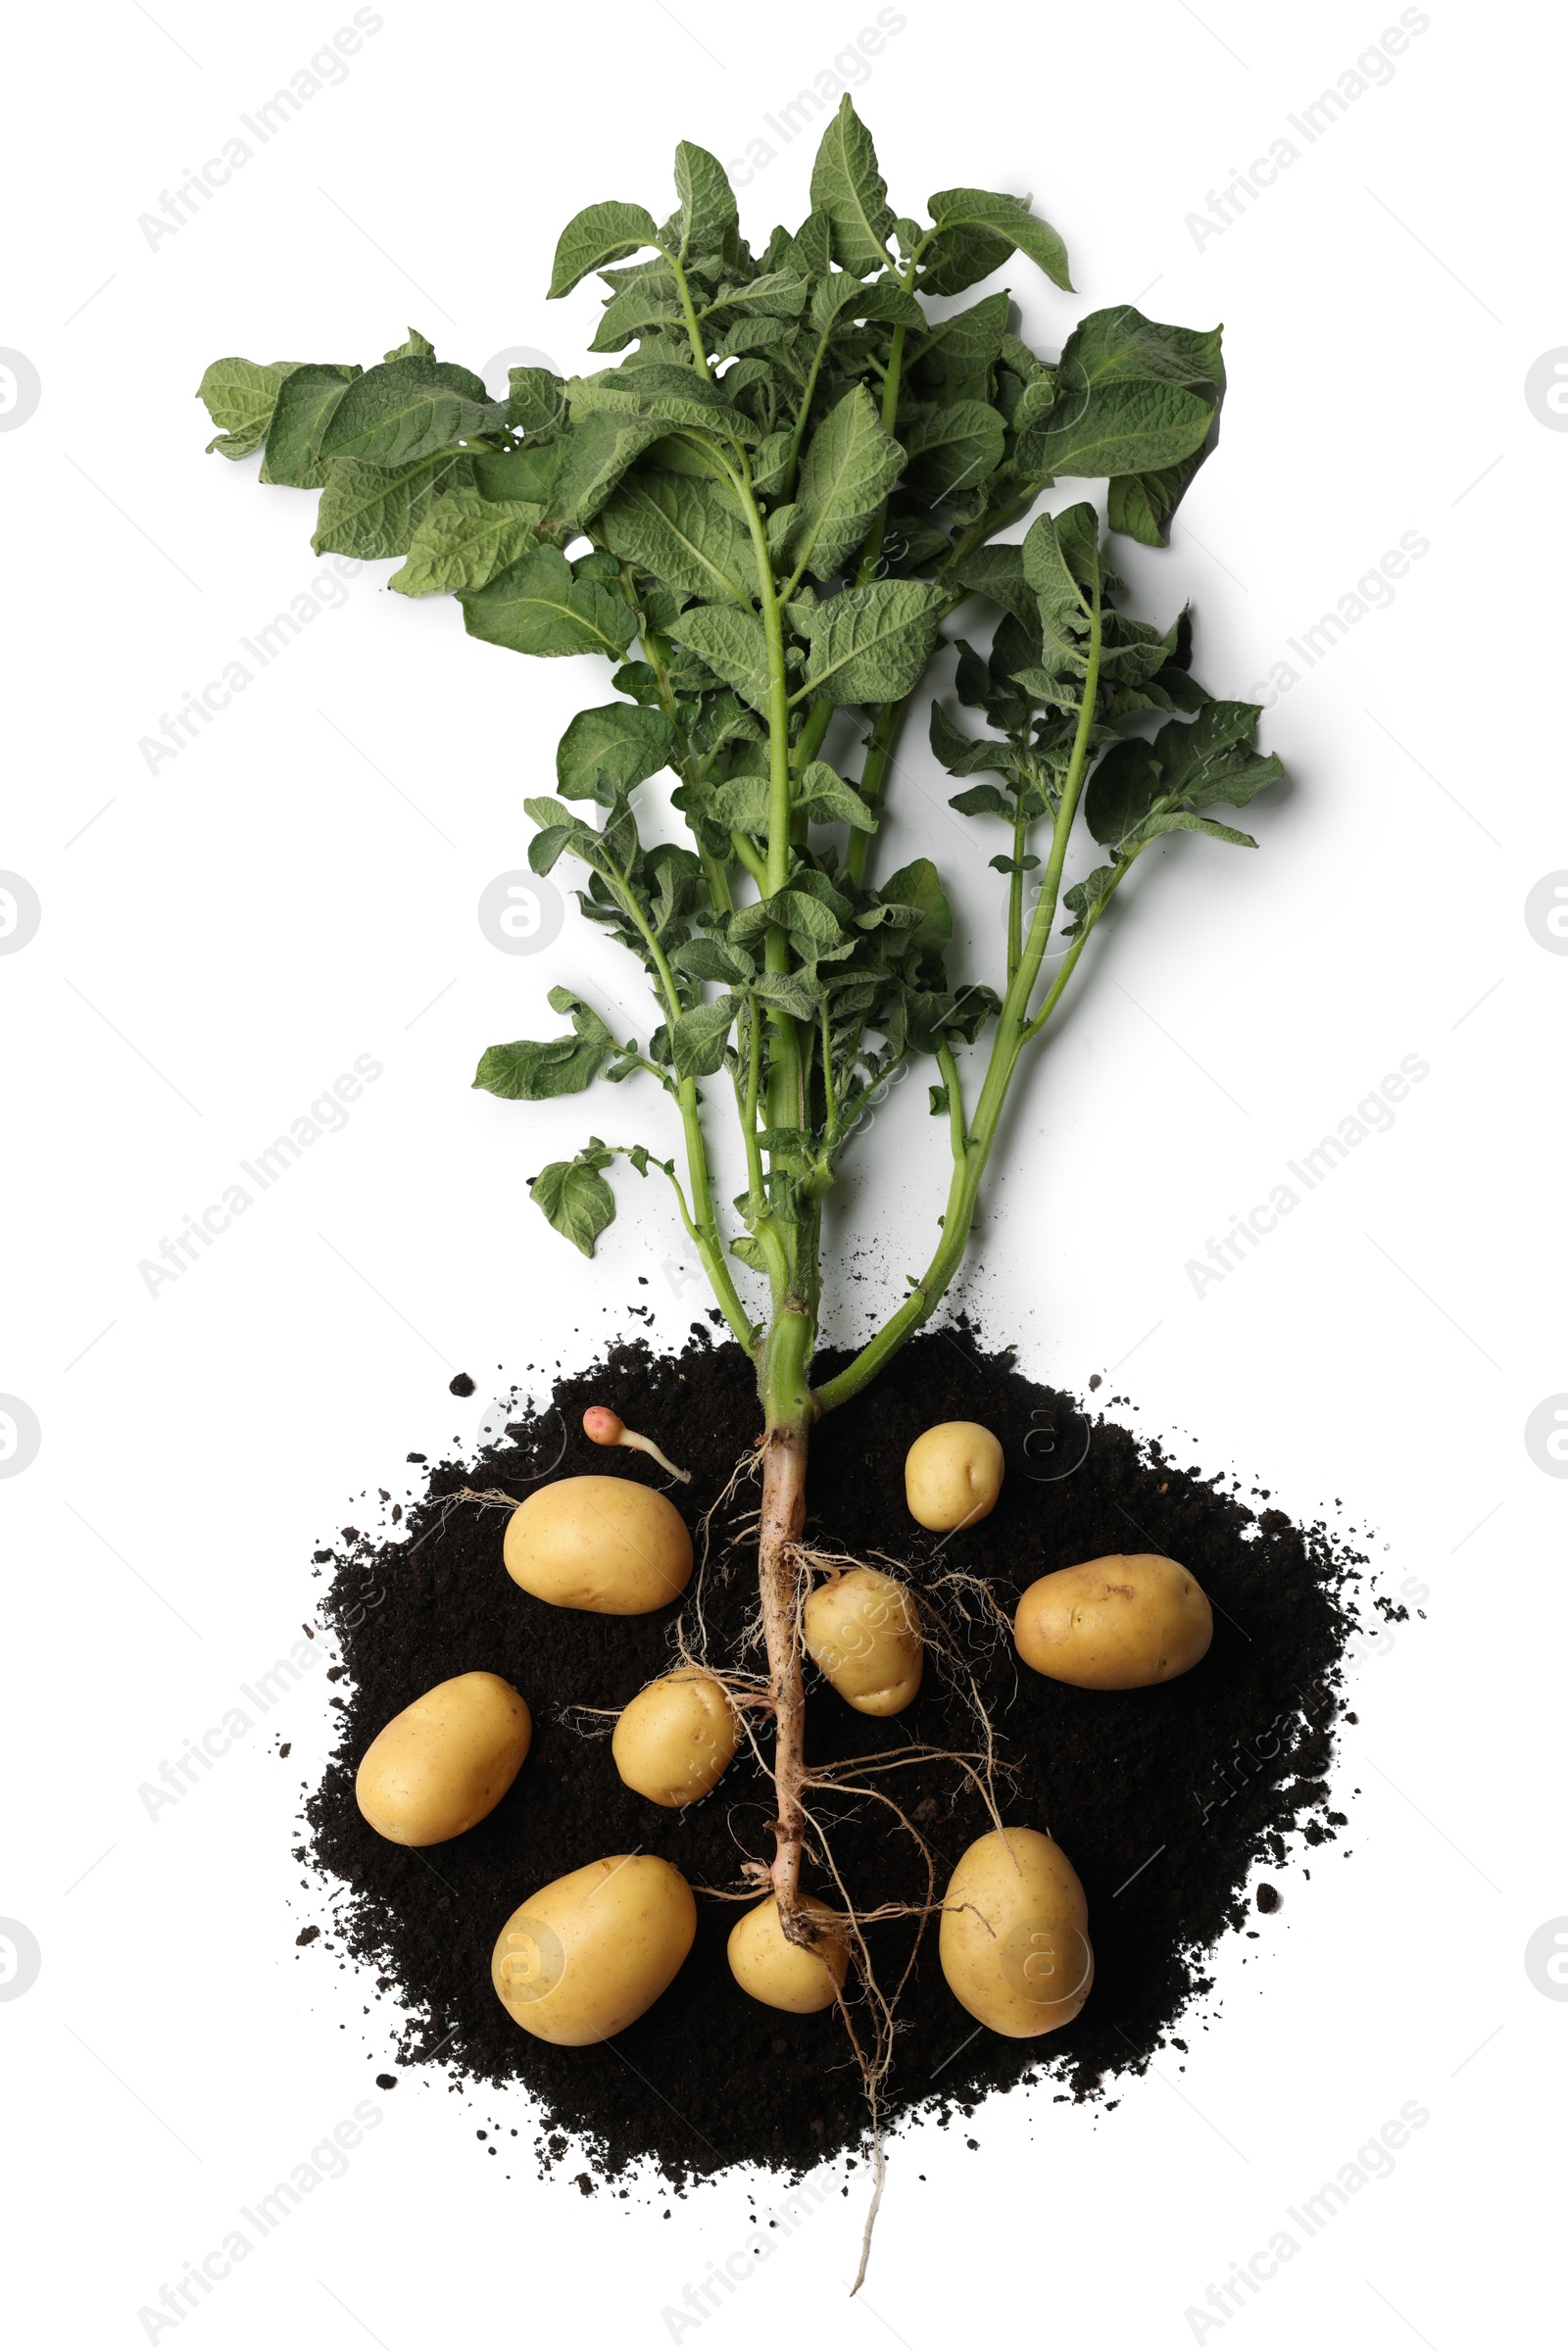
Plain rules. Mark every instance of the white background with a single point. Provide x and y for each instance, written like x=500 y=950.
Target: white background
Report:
x=220 y=938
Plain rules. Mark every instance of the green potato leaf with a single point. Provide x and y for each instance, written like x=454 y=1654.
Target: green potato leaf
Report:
x=741 y=806
x=919 y=886
x=638 y=309
x=688 y=533
x=240 y=396
x=1131 y=396
x=870 y=644
x=522 y=474
x=954 y=451
x=462 y=541
x=708 y=221
x=307 y=400
x=791 y=991
x=1140 y=504
x=776 y=294
x=964 y=345
x=1062 y=563
x=538 y=607
x=849 y=189
x=575 y=1197
x=997 y=572
x=1006 y=221
x=603 y=234
x=1085 y=899
x=372 y=511
x=849 y=468
x=537 y=401
x=1213 y=759
x=531 y=1072
x=407 y=408
x=733 y=643
x=609 y=751
x=1122 y=790
x=698 y=1038
x=827 y=798
x=1181 y=820
x=600 y=450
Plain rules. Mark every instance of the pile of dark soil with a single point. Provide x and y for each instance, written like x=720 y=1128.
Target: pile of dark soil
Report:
x=1166 y=1800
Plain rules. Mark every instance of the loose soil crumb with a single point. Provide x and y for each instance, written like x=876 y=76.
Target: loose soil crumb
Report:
x=1166 y=1800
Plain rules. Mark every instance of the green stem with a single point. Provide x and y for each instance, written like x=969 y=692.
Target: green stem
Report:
x=784 y=1105
x=871 y=551
x=1013 y=1031
x=879 y=751
x=756 y=1189
x=718 y=880
x=792 y=470
x=1020 y=834
x=957 y=1129
x=1069 y=961
x=694 y=333
x=741 y=844
x=784 y=1374
x=705 y=1231
x=809 y=739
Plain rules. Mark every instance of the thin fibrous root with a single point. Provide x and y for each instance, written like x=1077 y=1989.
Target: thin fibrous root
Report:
x=942 y=1642
x=746 y=1466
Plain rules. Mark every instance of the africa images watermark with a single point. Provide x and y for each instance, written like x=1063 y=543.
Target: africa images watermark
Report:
x=851 y=70
x=326 y=70
x=1374 y=68
x=327 y=2160
x=700 y=2300
x=326 y=593
x=1373 y=2161
x=197 y=1758
x=1373 y=592
x=1373 y=1115
x=326 y=1115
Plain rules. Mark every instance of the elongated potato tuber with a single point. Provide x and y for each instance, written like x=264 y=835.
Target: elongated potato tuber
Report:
x=1118 y=1623
x=445 y=1761
x=1014 y=1936
x=607 y=1544
x=863 y=1632
x=590 y=1953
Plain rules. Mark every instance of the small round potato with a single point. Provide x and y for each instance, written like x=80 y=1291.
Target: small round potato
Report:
x=1014 y=1940
x=1118 y=1623
x=785 y=1974
x=953 y=1475
x=603 y=1543
x=677 y=1738
x=445 y=1761
x=588 y=1954
x=863 y=1629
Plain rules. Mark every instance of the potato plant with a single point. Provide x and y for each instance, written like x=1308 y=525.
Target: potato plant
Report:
x=795 y=468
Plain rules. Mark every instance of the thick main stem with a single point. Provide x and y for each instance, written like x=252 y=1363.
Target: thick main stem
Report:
x=783 y=1516
x=785 y=1381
